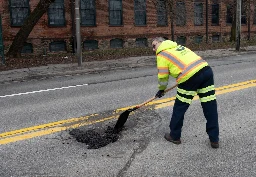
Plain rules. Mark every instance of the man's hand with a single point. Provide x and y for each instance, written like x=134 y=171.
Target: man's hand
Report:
x=160 y=93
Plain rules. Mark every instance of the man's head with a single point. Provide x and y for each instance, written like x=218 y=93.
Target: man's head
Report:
x=156 y=42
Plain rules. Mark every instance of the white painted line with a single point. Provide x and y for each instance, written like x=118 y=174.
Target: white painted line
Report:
x=47 y=90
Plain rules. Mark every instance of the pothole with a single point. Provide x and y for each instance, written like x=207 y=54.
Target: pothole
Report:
x=143 y=124
x=95 y=139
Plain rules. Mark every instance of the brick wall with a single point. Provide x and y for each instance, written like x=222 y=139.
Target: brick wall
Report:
x=42 y=34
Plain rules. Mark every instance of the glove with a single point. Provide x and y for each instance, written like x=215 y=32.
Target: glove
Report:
x=160 y=93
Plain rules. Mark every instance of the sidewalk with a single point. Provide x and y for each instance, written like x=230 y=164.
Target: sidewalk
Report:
x=43 y=72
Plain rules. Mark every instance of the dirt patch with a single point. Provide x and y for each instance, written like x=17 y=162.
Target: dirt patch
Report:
x=30 y=60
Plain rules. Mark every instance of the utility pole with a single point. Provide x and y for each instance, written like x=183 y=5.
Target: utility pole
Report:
x=238 y=24
x=78 y=34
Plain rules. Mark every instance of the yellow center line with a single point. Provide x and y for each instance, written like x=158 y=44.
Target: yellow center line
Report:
x=43 y=126
x=50 y=131
x=53 y=127
x=219 y=91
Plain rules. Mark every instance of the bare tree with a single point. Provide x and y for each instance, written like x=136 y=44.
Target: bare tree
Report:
x=247 y=11
x=28 y=25
x=231 y=13
x=176 y=12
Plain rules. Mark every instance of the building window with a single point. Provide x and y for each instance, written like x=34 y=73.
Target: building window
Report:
x=215 y=14
x=231 y=10
x=141 y=42
x=116 y=43
x=27 y=48
x=198 y=14
x=56 y=13
x=88 y=12
x=229 y=17
x=254 y=17
x=90 y=44
x=181 y=40
x=58 y=46
x=198 y=39
x=140 y=12
x=243 y=13
x=161 y=13
x=215 y=38
x=243 y=19
x=115 y=12
x=19 y=11
x=180 y=14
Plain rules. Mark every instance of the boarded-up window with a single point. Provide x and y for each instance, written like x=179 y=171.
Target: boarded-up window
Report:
x=115 y=12
x=27 y=48
x=198 y=21
x=215 y=38
x=198 y=39
x=19 y=11
x=56 y=13
x=88 y=12
x=180 y=14
x=116 y=43
x=57 y=46
x=140 y=12
x=161 y=13
x=181 y=40
x=90 y=44
x=141 y=42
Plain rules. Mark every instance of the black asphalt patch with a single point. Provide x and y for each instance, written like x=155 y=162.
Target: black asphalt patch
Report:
x=94 y=139
x=104 y=134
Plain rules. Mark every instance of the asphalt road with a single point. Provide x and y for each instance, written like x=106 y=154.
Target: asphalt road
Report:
x=36 y=117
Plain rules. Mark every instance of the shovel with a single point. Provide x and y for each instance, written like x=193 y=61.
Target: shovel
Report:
x=124 y=116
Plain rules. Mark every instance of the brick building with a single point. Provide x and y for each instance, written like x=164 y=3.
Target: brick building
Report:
x=123 y=23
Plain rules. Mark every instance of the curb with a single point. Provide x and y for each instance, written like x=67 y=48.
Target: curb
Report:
x=65 y=70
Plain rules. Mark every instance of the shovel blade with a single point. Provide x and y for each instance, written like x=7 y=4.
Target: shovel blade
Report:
x=121 y=120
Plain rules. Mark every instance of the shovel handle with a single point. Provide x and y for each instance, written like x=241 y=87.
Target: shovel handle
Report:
x=142 y=104
x=151 y=99
x=167 y=90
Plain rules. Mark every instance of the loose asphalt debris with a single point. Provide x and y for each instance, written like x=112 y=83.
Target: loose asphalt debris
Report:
x=94 y=139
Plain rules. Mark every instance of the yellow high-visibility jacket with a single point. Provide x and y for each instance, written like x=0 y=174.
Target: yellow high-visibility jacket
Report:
x=177 y=61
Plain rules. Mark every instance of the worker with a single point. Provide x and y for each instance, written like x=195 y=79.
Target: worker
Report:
x=193 y=76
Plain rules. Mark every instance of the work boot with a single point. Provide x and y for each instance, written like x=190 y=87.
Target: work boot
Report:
x=215 y=145
x=168 y=137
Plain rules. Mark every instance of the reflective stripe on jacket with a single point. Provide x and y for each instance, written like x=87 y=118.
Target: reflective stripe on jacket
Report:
x=177 y=61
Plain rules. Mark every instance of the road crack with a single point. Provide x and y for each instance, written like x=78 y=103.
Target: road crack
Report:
x=143 y=144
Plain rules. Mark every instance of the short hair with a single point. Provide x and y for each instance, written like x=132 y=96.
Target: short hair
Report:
x=159 y=39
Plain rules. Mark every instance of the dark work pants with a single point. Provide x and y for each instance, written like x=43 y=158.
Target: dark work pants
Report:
x=201 y=80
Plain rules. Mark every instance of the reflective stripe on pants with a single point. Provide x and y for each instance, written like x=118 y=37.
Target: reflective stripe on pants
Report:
x=201 y=83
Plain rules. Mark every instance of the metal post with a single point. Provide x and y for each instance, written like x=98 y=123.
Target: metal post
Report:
x=78 y=34
x=238 y=24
